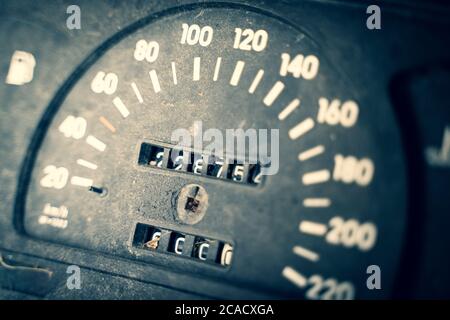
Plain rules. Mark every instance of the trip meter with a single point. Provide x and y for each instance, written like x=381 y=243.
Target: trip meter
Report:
x=104 y=174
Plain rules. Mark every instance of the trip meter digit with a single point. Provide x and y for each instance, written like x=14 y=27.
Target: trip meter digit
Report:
x=105 y=175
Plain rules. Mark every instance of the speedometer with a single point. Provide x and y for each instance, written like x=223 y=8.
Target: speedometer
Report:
x=104 y=173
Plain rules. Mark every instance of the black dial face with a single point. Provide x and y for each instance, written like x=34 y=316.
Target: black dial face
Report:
x=105 y=177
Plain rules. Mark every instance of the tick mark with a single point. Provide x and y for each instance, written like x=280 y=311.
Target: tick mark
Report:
x=107 y=124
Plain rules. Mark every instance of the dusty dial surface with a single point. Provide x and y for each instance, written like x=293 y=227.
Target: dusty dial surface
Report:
x=102 y=178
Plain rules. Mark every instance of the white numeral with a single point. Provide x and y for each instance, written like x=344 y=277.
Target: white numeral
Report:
x=334 y=113
x=55 y=177
x=193 y=34
x=329 y=289
x=146 y=50
x=351 y=233
x=301 y=66
x=73 y=127
x=158 y=160
x=105 y=82
x=198 y=166
x=349 y=169
x=238 y=173
x=248 y=39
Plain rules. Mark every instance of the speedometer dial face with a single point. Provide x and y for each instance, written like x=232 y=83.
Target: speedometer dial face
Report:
x=103 y=177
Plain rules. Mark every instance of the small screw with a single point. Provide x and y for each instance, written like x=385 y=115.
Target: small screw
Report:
x=192 y=202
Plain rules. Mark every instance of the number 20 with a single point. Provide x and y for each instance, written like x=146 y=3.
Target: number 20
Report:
x=54 y=177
